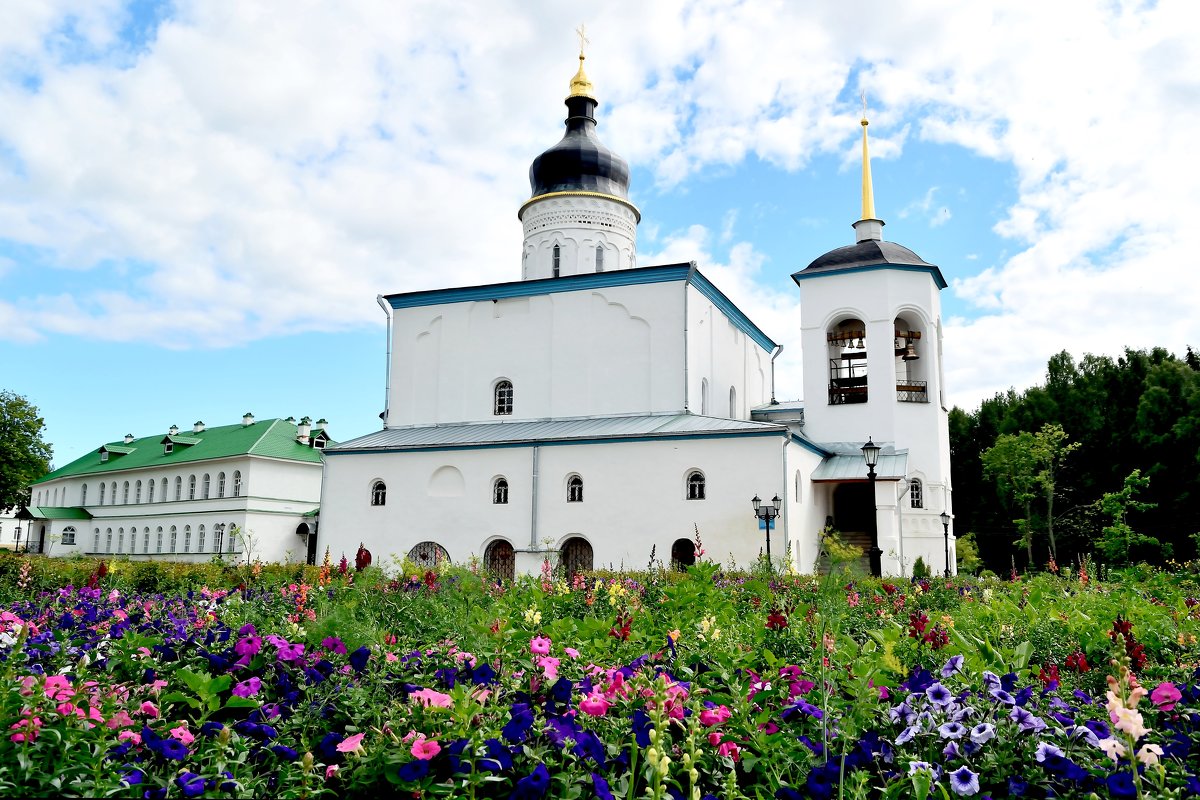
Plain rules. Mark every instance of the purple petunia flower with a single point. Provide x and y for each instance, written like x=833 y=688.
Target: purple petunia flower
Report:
x=953 y=666
x=191 y=784
x=1026 y=721
x=600 y=787
x=1045 y=749
x=939 y=695
x=248 y=688
x=964 y=782
x=983 y=732
x=952 y=730
x=1002 y=696
x=907 y=735
x=533 y=786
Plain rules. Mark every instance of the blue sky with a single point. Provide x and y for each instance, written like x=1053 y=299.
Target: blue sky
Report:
x=200 y=201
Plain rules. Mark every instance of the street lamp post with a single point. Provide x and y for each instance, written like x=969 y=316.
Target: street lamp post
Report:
x=767 y=512
x=946 y=534
x=870 y=452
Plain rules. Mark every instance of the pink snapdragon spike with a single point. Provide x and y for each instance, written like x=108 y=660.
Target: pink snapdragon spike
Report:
x=539 y=646
x=594 y=705
x=1165 y=696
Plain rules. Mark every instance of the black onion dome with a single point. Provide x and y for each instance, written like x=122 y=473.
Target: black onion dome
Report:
x=579 y=162
x=869 y=253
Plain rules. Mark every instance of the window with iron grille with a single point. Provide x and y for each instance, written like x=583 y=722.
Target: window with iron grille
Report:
x=575 y=489
x=503 y=405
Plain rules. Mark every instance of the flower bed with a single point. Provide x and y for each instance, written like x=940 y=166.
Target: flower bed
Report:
x=708 y=684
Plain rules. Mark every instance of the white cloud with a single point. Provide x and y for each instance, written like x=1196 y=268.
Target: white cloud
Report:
x=265 y=172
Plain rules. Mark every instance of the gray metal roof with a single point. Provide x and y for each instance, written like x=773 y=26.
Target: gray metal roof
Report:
x=846 y=463
x=483 y=434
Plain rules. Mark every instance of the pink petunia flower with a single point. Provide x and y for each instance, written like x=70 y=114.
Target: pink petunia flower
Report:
x=571 y=652
x=730 y=749
x=248 y=688
x=352 y=744
x=1165 y=696
x=149 y=709
x=549 y=667
x=594 y=705
x=715 y=716
x=182 y=733
x=425 y=749
x=428 y=697
x=539 y=646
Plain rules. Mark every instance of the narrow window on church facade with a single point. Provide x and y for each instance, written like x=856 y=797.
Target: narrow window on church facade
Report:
x=237 y=483
x=503 y=399
x=191 y=490
x=83 y=495
x=695 y=485
x=599 y=258
x=557 y=259
x=575 y=489
x=378 y=493
x=500 y=492
x=732 y=403
x=916 y=492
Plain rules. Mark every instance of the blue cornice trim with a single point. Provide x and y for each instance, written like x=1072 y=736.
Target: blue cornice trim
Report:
x=735 y=315
x=552 y=443
x=568 y=283
x=934 y=272
x=811 y=447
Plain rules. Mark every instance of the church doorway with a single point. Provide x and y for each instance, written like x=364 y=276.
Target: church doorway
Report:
x=576 y=557
x=428 y=555
x=853 y=509
x=500 y=560
x=305 y=531
x=683 y=554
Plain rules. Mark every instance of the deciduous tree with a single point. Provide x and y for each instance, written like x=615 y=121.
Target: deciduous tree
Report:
x=24 y=455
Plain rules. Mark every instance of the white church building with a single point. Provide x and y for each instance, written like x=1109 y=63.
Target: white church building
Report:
x=595 y=410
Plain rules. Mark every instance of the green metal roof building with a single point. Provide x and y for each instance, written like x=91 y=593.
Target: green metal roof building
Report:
x=248 y=490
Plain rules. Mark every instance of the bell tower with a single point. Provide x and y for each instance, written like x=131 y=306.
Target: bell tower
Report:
x=871 y=336
x=578 y=218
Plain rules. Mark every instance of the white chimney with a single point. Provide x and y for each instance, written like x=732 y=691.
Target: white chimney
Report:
x=197 y=427
x=322 y=424
x=174 y=429
x=247 y=418
x=128 y=438
x=303 y=429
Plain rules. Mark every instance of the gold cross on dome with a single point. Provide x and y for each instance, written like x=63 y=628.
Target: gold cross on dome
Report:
x=581 y=31
x=864 y=103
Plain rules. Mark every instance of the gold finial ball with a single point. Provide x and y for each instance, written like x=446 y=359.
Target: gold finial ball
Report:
x=864 y=122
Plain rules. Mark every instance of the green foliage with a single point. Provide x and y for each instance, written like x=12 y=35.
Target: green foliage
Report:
x=1137 y=411
x=920 y=568
x=24 y=455
x=1119 y=541
x=966 y=554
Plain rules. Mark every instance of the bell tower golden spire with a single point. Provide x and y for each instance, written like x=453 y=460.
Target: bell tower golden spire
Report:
x=868 y=226
x=868 y=193
x=580 y=85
